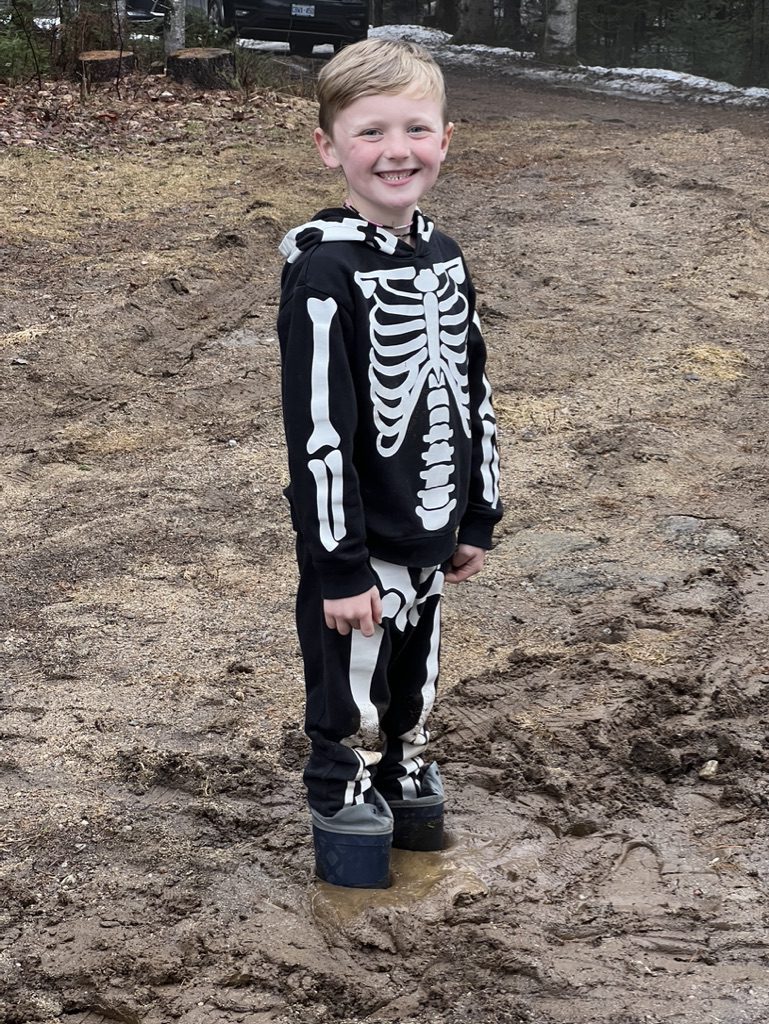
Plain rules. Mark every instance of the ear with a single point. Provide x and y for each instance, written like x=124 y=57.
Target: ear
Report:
x=448 y=131
x=326 y=148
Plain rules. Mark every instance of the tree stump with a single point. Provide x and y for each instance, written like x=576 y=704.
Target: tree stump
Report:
x=206 y=66
x=105 y=65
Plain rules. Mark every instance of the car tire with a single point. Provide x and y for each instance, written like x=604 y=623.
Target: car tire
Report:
x=301 y=46
x=228 y=13
x=216 y=13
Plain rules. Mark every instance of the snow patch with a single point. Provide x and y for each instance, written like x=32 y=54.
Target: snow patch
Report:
x=632 y=83
x=427 y=37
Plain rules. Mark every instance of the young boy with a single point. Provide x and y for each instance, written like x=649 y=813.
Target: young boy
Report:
x=392 y=456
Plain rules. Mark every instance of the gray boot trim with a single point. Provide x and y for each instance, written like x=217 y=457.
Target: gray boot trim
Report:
x=432 y=790
x=371 y=819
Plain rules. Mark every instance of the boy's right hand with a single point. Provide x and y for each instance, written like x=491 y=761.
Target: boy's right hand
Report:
x=362 y=612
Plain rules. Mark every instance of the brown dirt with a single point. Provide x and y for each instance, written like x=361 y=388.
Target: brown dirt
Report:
x=154 y=842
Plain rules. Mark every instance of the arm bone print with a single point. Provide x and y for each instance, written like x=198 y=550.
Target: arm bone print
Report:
x=327 y=471
x=490 y=463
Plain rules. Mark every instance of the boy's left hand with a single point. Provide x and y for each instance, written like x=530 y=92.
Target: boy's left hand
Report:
x=465 y=562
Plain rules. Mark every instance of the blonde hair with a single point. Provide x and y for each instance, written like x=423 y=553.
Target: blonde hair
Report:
x=376 y=67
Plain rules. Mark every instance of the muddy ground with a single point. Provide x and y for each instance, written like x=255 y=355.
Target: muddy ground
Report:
x=603 y=722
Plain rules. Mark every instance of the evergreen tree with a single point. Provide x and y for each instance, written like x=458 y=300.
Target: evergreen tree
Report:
x=714 y=38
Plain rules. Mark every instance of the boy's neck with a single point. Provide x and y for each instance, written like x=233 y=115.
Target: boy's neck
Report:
x=399 y=230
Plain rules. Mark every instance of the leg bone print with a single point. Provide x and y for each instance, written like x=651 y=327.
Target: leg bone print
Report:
x=418 y=324
x=402 y=608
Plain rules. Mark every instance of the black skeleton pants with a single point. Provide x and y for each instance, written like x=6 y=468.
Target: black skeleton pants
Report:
x=368 y=698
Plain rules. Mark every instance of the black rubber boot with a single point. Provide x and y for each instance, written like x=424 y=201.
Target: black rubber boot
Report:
x=352 y=847
x=419 y=822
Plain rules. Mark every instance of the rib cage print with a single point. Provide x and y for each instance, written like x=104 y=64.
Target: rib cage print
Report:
x=418 y=327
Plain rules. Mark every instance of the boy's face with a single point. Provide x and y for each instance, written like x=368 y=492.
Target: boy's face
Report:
x=390 y=148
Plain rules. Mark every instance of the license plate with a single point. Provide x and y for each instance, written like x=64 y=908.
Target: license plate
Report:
x=303 y=10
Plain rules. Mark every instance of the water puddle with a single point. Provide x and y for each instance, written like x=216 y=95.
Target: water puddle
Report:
x=434 y=880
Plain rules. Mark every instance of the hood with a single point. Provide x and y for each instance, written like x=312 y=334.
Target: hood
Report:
x=340 y=225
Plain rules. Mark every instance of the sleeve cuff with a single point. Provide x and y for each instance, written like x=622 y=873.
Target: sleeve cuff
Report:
x=335 y=585
x=478 y=534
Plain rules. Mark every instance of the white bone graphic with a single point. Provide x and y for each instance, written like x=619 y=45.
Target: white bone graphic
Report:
x=490 y=463
x=328 y=470
x=402 y=604
x=418 y=326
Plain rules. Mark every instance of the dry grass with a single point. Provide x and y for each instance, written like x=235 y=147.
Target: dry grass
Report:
x=715 y=363
x=15 y=338
x=543 y=415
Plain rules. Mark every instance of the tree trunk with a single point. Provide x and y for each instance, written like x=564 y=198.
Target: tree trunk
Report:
x=173 y=25
x=104 y=65
x=476 y=21
x=400 y=12
x=445 y=16
x=532 y=11
x=560 y=42
x=625 y=43
x=512 y=30
x=759 y=64
x=119 y=10
x=209 y=67
x=68 y=41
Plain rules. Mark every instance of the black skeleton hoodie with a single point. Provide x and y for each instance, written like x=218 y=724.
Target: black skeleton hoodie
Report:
x=389 y=424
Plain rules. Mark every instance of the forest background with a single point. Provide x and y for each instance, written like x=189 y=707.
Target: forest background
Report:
x=727 y=41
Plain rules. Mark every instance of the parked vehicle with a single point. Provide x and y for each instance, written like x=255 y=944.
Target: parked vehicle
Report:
x=301 y=25
x=147 y=10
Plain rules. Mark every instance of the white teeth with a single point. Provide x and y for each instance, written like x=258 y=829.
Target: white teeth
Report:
x=396 y=177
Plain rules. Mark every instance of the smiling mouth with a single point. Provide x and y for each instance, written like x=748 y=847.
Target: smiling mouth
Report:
x=395 y=175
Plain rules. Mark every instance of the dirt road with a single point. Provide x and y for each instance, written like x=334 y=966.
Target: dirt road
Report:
x=603 y=722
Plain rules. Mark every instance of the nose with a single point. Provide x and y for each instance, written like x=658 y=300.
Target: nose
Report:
x=398 y=146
